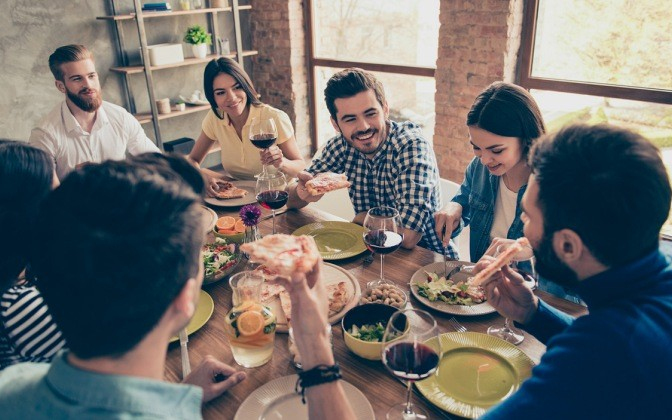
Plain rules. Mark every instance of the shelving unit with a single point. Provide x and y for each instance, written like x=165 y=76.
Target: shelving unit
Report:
x=127 y=70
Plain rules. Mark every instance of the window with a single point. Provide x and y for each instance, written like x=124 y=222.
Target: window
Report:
x=602 y=61
x=397 y=40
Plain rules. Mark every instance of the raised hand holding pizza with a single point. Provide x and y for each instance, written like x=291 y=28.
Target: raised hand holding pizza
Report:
x=301 y=189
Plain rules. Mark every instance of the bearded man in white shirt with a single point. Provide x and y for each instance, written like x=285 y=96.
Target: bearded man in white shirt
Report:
x=84 y=128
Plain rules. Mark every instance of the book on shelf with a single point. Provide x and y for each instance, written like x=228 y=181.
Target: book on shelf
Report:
x=156 y=7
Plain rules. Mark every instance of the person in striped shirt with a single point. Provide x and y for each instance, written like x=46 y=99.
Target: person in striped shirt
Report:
x=27 y=330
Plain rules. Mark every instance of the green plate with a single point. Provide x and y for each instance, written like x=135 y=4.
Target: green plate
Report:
x=335 y=240
x=476 y=372
x=203 y=313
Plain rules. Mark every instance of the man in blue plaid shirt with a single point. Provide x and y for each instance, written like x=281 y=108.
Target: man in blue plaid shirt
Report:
x=388 y=163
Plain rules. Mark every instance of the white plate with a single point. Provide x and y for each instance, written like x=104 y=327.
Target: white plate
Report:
x=210 y=219
x=331 y=274
x=420 y=276
x=250 y=198
x=277 y=400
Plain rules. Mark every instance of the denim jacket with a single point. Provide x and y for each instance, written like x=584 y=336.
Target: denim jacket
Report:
x=477 y=196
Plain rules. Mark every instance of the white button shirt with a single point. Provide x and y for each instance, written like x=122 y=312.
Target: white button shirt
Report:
x=114 y=135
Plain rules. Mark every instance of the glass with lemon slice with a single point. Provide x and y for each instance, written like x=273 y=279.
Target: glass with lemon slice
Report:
x=249 y=326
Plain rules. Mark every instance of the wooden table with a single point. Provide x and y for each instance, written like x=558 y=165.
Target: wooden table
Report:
x=380 y=387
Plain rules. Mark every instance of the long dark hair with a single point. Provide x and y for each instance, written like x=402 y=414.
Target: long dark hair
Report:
x=26 y=177
x=233 y=69
x=508 y=110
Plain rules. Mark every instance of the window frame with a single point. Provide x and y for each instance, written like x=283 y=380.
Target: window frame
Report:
x=526 y=80
x=312 y=62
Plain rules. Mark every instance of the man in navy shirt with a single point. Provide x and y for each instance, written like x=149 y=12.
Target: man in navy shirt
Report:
x=593 y=211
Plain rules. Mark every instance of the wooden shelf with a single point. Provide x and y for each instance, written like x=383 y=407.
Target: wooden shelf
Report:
x=146 y=117
x=149 y=15
x=186 y=62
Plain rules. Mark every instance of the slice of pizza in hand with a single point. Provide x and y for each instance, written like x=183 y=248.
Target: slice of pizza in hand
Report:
x=502 y=259
x=325 y=182
x=284 y=254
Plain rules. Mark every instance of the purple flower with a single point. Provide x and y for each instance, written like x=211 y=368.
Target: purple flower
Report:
x=250 y=214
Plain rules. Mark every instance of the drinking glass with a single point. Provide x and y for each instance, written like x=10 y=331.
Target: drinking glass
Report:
x=263 y=134
x=270 y=190
x=383 y=235
x=523 y=263
x=409 y=354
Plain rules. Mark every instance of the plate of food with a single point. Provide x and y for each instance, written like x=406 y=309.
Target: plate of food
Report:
x=335 y=240
x=343 y=293
x=201 y=316
x=219 y=260
x=456 y=296
x=234 y=194
x=476 y=371
x=278 y=399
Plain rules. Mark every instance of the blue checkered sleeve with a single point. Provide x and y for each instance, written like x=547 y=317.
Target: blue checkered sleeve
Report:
x=330 y=158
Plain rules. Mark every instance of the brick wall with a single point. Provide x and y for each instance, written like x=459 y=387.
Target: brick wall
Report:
x=279 y=74
x=478 y=44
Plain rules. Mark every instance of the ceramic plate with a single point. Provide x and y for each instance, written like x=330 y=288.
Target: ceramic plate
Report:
x=335 y=240
x=277 y=400
x=210 y=218
x=476 y=372
x=203 y=313
x=250 y=198
x=420 y=276
x=331 y=274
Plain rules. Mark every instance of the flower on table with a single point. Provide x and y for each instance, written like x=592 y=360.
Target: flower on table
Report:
x=250 y=214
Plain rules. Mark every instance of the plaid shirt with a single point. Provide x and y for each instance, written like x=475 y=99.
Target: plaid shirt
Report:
x=402 y=174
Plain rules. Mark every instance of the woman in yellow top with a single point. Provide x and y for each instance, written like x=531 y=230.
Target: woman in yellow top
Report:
x=235 y=103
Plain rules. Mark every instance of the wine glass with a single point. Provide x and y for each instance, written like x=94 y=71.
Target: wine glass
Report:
x=523 y=263
x=409 y=354
x=263 y=134
x=270 y=190
x=383 y=235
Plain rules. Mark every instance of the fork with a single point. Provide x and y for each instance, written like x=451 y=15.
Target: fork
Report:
x=458 y=327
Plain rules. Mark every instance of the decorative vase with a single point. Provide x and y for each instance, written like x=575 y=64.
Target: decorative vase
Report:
x=199 y=50
x=251 y=235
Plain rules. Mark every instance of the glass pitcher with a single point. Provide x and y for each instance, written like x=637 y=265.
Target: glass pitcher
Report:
x=249 y=326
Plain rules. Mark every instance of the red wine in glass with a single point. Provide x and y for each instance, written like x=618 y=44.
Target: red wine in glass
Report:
x=263 y=141
x=272 y=199
x=382 y=241
x=411 y=361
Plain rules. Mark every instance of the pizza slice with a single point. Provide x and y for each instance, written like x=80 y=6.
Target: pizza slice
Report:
x=284 y=254
x=325 y=182
x=502 y=259
x=338 y=297
x=227 y=190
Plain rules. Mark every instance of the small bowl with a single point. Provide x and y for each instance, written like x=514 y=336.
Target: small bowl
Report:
x=235 y=238
x=369 y=313
x=391 y=288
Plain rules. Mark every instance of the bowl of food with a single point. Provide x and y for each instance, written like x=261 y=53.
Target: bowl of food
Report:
x=220 y=259
x=230 y=229
x=363 y=329
x=385 y=293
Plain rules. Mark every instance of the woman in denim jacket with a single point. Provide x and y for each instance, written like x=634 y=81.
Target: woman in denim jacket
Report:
x=503 y=123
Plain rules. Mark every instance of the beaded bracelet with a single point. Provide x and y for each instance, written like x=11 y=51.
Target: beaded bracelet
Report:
x=320 y=374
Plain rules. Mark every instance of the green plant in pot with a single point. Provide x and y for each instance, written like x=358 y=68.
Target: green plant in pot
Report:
x=199 y=40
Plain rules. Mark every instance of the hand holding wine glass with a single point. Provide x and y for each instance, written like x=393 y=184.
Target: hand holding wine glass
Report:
x=383 y=235
x=263 y=135
x=408 y=355
x=270 y=190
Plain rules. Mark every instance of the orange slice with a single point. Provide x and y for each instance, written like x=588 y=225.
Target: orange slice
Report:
x=225 y=223
x=240 y=226
x=250 y=323
x=226 y=231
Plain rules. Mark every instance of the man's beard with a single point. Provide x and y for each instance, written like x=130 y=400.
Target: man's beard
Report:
x=549 y=266
x=85 y=104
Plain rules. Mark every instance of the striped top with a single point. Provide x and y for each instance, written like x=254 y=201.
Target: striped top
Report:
x=27 y=331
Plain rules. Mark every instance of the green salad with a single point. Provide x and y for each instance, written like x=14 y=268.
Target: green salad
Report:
x=368 y=332
x=218 y=258
x=437 y=288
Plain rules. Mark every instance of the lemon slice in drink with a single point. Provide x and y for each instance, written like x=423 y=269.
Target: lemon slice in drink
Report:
x=250 y=323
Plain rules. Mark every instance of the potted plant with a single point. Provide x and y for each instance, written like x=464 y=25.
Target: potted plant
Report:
x=199 y=40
